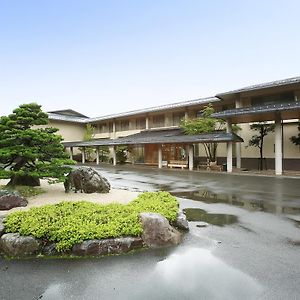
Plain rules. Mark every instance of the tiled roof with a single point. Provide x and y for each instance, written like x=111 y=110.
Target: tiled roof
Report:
x=60 y=117
x=65 y=118
x=282 y=82
x=257 y=109
x=170 y=136
x=157 y=108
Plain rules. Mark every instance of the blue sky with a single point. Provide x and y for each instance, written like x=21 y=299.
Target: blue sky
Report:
x=103 y=57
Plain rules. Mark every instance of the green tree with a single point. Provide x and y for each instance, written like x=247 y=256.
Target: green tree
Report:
x=29 y=153
x=88 y=136
x=257 y=140
x=204 y=124
x=296 y=139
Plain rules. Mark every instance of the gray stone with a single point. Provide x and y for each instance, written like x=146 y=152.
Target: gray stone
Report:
x=181 y=221
x=87 y=180
x=12 y=244
x=157 y=232
x=50 y=250
x=9 y=200
x=2 y=228
x=107 y=246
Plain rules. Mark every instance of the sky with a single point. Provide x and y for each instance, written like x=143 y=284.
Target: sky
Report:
x=101 y=57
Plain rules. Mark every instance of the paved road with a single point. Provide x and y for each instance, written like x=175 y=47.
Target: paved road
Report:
x=249 y=250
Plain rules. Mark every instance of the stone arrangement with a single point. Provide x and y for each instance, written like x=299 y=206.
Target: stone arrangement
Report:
x=157 y=232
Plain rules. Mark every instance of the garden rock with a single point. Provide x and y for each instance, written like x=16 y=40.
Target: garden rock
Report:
x=107 y=246
x=2 y=229
x=87 y=180
x=50 y=250
x=181 y=221
x=157 y=232
x=12 y=244
x=9 y=200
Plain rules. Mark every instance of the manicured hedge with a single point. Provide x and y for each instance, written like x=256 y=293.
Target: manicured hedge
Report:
x=69 y=223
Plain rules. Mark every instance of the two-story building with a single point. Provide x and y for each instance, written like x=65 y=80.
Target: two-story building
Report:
x=154 y=137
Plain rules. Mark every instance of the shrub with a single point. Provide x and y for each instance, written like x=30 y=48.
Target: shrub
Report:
x=158 y=202
x=69 y=223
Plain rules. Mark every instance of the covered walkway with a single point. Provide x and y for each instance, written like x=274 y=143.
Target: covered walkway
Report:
x=159 y=138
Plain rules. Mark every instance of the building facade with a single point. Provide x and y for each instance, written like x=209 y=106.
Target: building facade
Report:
x=275 y=102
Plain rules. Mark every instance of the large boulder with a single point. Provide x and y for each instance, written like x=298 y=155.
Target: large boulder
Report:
x=87 y=180
x=107 y=246
x=12 y=244
x=157 y=232
x=9 y=200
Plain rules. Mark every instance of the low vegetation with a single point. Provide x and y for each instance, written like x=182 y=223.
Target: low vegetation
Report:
x=24 y=191
x=69 y=223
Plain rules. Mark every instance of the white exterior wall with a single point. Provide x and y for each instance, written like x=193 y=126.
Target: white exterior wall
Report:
x=69 y=131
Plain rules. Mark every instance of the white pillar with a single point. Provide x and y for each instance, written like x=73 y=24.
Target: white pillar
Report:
x=83 y=155
x=147 y=123
x=114 y=129
x=238 y=155
x=186 y=115
x=114 y=155
x=97 y=155
x=159 y=156
x=278 y=145
x=191 y=157
x=229 y=147
x=71 y=152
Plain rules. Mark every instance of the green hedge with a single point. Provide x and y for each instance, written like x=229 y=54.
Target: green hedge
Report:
x=69 y=223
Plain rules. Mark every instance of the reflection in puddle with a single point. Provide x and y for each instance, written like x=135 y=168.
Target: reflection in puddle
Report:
x=197 y=214
x=271 y=206
x=189 y=273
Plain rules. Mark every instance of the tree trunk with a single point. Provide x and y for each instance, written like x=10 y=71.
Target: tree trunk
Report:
x=24 y=180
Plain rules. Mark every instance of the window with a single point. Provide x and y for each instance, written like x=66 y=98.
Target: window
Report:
x=272 y=99
x=110 y=127
x=102 y=128
x=159 y=121
x=140 y=123
x=123 y=125
x=177 y=118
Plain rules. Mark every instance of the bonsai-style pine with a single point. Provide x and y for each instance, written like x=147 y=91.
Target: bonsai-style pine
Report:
x=28 y=151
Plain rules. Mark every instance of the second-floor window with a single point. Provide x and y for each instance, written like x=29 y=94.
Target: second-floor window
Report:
x=123 y=125
x=177 y=117
x=140 y=123
x=102 y=128
x=159 y=121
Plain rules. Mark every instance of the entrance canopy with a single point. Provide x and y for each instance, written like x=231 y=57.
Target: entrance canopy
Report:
x=168 y=136
x=260 y=113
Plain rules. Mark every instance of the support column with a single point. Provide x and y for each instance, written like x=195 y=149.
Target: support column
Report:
x=229 y=147
x=114 y=129
x=114 y=155
x=147 y=123
x=186 y=115
x=83 y=155
x=191 y=157
x=71 y=152
x=159 y=156
x=238 y=155
x=97 y=155
x=278 y=145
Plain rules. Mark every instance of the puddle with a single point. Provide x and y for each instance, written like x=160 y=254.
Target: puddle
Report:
x=197 y=214
x=270 y=206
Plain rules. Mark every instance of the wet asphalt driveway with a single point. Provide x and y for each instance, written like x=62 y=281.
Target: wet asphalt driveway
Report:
x=244 y=243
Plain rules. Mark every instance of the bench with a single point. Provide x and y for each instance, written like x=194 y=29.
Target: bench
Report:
x=178 y=164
